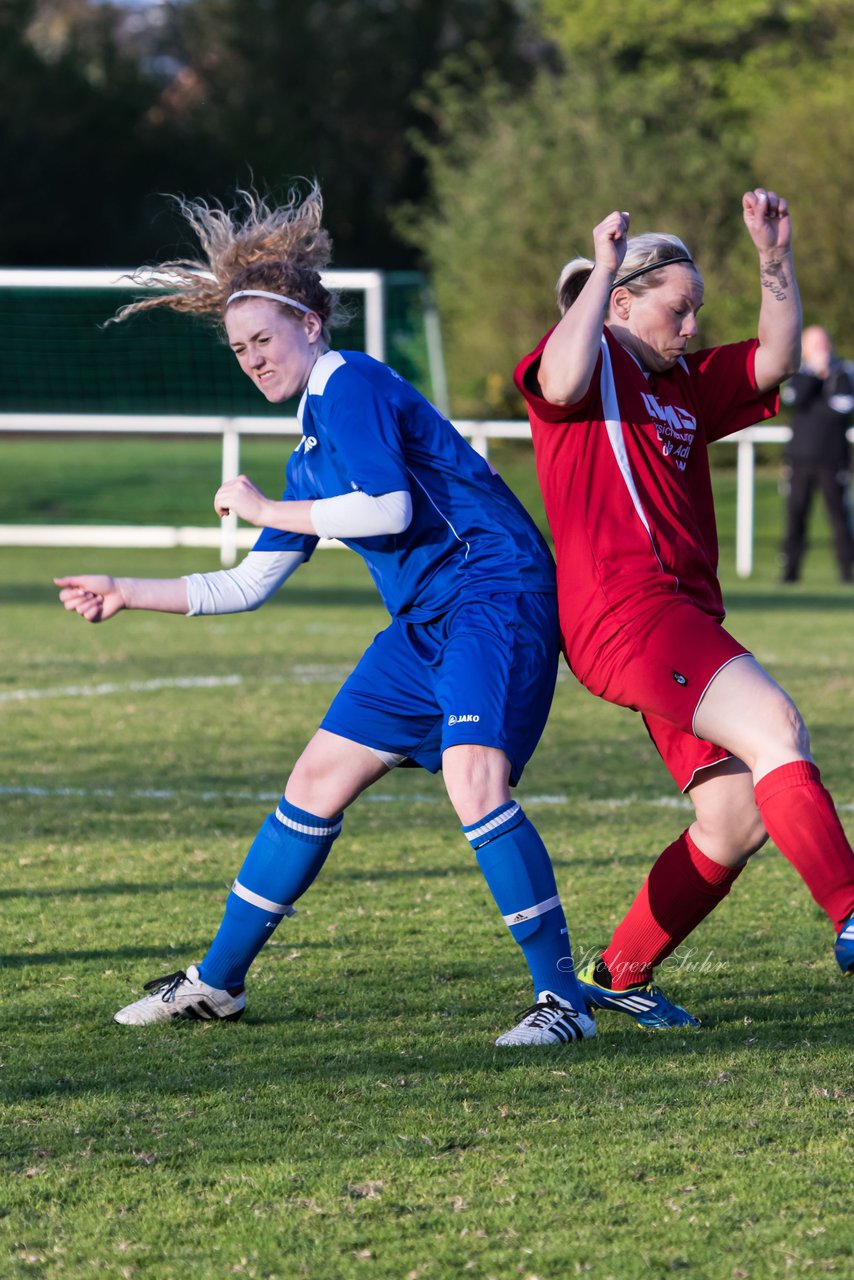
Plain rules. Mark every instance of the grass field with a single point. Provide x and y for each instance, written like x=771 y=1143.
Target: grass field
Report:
x=359 y=1122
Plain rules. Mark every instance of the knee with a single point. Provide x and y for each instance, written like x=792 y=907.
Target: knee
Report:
x=732 y=837
x=792 y=730
x=780 y=737
x=476 y=779
x=749 y=836
x=308 y=783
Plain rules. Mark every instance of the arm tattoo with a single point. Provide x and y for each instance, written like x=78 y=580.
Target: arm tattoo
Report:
x=772 y=276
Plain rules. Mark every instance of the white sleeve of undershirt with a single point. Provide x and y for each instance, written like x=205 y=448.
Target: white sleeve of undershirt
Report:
x=242 y=588
x=361 y=515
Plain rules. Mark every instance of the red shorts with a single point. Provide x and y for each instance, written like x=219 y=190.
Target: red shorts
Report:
x=661 y=664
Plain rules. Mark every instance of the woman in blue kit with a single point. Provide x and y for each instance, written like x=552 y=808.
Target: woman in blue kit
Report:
x=461 y=679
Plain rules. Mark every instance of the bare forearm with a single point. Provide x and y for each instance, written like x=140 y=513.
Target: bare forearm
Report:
x=569 y=357
x=163 y=595
x=291 y=517
x=345 y=515
x=780 y=320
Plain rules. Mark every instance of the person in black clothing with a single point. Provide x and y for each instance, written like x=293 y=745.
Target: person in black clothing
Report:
x=821 y=397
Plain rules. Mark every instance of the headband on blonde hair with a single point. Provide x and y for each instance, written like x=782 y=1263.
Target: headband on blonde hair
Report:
x=265 y=293
x=650 y=266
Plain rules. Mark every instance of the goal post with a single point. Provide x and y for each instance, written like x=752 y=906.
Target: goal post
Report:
x=62 y=373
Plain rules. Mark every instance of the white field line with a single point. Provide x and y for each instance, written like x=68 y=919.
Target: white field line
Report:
x=157 y=793
x=604 y=805
x=131 y=686
x=311 y=674
x=306 y=673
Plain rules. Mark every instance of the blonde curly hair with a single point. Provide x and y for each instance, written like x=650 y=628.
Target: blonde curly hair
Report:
x=281 y=249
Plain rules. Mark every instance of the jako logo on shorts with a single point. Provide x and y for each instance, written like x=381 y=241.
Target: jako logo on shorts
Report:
x=463 y=719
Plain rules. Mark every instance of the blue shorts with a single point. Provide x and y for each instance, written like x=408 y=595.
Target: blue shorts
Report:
x=482 y=673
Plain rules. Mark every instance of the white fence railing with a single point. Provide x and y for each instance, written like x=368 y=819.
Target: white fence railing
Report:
x=229 y=538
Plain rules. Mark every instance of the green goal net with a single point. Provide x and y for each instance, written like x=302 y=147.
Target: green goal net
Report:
x=59 y=359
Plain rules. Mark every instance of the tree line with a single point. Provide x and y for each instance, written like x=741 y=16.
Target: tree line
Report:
x=478 y=139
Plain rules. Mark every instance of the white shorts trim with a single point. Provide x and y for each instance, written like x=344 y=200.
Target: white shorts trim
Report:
x=713 y=764
x=390 y=759
x=735 y=657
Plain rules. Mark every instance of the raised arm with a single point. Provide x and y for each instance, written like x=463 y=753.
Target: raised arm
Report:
x=347 y=515
x=569 y=357
x=766 y=216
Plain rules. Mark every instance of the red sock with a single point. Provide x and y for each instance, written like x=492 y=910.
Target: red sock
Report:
x=800 y=818
x=679 y=892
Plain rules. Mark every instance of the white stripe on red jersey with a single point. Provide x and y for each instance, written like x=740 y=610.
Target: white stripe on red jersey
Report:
x=626 y=486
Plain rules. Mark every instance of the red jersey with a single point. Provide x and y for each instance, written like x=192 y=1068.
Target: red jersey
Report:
x=626 y=486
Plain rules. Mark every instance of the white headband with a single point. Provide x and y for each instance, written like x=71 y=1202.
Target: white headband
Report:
x=265 y=293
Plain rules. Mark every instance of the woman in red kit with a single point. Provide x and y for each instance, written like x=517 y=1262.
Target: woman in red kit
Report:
x=622 y=416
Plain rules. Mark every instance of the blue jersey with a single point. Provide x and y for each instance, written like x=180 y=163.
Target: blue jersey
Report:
x=365 y=428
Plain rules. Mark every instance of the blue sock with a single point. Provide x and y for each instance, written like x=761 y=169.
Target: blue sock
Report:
x=518 y=870
x=284 y=859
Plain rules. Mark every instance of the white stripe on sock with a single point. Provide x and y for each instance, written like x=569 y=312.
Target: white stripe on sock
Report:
x=531 y=913
x=306 y=830
x=265 y=904
x=493 y=823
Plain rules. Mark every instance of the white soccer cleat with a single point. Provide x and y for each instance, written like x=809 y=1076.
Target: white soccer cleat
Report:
x=182 y=995
x=549 y=1021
